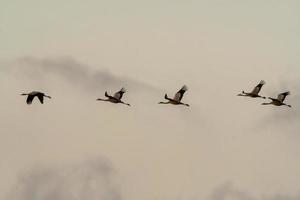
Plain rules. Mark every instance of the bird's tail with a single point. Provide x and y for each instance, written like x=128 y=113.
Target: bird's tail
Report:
x=106 y=94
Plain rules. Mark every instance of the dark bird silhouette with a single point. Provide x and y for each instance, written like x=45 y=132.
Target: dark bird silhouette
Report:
x=279 y=101
x=177 y=98
x=255 y=91
x=116 y=98
x=32 y=95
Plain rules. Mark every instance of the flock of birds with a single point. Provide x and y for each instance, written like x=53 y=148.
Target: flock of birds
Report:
x=255 y=94
x=176 y=100
x=116 y=98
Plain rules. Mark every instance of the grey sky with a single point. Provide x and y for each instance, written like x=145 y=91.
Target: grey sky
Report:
x=75 y=51
x=90 y=179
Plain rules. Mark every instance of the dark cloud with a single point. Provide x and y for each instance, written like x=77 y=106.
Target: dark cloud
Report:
x=75 y=73
x=228 y=191
x=93 y=180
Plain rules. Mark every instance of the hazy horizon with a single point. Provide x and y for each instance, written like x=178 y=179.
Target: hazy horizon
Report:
x=221 y=147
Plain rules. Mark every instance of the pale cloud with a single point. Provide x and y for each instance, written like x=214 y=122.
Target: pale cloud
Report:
x=91 y=179
x=229 y=191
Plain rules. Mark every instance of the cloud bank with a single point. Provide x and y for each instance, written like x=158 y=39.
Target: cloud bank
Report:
x=228 y=191
x=92 y=179
x=150 y=138
x=73 y=72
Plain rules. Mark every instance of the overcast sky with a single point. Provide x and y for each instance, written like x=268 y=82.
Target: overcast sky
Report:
x=222 y=147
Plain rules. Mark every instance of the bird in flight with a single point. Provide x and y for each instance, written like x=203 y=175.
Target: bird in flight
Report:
x=32 y=95
x=116 y=98
x=255 y=91
x=279 y=101
x=177 y=98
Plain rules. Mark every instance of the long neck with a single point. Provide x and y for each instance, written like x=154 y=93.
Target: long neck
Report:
x=164 y=102
x=102 y=99
x=266 y=103
x=24 y=94
x=246 y=93
x=243 y=94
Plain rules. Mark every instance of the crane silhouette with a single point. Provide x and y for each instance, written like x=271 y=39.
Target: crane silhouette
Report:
x=32 y=95
x=116 y=98
x=177 y=98
x=254 y=92
x=279 y=101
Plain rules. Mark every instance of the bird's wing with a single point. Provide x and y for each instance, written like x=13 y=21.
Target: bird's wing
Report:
x=41 y=98
x=257 y=88
x=118 y=95
x=178 y=96
x=282 y=96
x=33 y=93
x=29 y=99
x=107 y=95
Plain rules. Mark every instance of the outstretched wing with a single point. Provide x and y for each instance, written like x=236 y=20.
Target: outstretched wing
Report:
x=107 y=95
x=257 y=88
x=41 y=98
x=118 y=95
x=29 y=99
x=178 y=96
x=281 y=96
